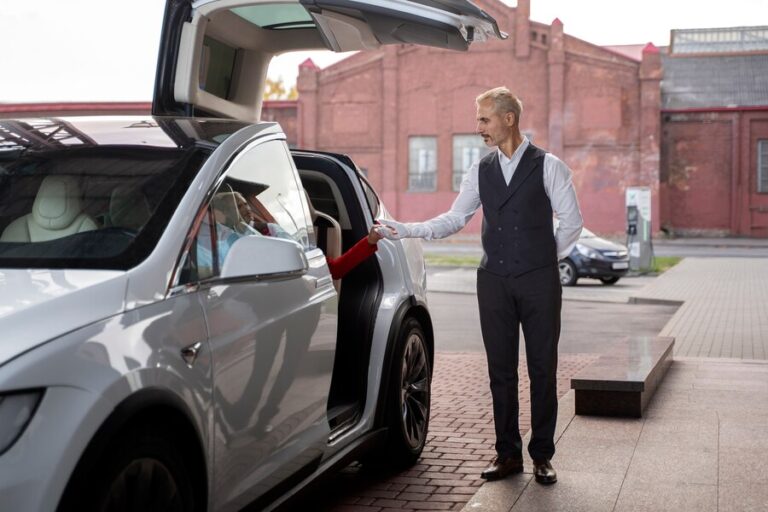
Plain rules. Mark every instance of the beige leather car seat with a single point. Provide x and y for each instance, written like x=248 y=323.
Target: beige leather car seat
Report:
x=128 y=208
x=328 y=231
x=57 y=212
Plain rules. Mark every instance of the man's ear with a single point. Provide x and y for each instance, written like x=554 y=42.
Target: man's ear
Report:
x=510 y=118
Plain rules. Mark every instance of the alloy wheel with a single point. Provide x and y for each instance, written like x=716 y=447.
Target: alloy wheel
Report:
x=414 y=391
x=145 y=484
x=566 y=273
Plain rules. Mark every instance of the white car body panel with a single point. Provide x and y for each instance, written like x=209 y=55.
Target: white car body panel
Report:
x=37 y=305
x=96 y=342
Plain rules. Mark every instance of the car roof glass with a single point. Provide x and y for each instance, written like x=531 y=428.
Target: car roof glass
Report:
x=276 y=16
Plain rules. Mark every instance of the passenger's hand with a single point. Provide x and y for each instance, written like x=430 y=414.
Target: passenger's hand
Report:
x=374 y=235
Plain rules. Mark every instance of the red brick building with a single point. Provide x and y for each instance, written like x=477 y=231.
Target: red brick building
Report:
x=689 y=121
x=407 y=116
x=714 y=154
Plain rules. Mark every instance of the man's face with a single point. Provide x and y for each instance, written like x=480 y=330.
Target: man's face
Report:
x=491 y=126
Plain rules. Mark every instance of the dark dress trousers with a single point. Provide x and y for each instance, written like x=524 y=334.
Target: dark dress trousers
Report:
x=518 y=284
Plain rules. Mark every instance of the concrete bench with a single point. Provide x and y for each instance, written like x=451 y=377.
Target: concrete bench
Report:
x=623 y=380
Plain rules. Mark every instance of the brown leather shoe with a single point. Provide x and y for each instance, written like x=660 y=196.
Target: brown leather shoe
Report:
x=543 y=472
x=501 y=467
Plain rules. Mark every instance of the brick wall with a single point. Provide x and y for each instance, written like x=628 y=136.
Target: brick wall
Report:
x=581 y=101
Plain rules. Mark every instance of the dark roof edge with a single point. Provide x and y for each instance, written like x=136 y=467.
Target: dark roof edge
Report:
x=693 y=110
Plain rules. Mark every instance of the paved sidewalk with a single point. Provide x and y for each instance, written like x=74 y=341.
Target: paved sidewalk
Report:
x=702 y=444
x=701 y=447
x=725 y=307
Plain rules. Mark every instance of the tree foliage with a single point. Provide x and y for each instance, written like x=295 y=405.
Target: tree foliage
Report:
x=274 y=89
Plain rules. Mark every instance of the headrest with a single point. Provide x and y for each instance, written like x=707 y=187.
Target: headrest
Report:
x=128 y=208
x=57 y=203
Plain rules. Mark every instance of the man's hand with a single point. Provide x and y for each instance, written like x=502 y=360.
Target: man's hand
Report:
x=397 y=230
x=394 y=230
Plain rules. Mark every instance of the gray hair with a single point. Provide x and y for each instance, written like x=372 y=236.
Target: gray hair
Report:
x=504 y=101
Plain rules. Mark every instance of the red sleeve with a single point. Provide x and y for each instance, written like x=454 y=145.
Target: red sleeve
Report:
x=359 y=252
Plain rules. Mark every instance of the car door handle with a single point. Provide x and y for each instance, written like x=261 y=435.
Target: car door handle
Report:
x=189 y=354
x=322 y=281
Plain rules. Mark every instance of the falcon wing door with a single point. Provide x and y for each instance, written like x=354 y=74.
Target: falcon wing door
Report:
x=214 y=54
x=357 y=24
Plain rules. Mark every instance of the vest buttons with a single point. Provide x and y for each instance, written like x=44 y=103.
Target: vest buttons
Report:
x=515 y=228
x=499 y=229
x=501 y=261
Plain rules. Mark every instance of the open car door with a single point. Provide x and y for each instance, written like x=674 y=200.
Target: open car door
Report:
x=214 y=54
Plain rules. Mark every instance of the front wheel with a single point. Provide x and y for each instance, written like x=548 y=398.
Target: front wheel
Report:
x=408 y=398
x=568 y=274
x=143 y=470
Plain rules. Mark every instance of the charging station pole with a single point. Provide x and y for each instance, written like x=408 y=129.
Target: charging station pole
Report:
x=638 y=203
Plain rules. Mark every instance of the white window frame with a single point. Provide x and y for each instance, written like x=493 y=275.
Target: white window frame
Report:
x=762 y=166
x=422 y=166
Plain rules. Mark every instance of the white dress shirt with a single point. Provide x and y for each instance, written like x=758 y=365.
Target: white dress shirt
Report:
x=557 y=184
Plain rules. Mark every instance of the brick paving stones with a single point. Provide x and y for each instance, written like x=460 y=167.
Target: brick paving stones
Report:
x=459 y=446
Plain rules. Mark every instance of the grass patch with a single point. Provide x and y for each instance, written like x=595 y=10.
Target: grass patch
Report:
x=662 y=263
x=442 y=260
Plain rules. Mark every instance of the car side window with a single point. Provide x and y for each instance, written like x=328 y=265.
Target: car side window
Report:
x=259 y=196
x=264 y=184
x=200 y=262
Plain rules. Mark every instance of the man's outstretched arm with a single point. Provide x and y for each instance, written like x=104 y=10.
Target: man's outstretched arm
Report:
x=463 y=208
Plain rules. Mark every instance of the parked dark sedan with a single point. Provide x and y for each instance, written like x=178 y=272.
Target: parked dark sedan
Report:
x=596 y=258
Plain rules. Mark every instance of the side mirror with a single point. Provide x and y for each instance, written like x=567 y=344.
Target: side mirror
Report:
x=255 y=255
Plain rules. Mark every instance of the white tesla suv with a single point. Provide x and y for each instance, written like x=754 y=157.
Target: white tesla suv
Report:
x=160 y=351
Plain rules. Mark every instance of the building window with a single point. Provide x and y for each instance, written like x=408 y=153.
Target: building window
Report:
x=422 y=164
x=467 y=150
x=762 y=166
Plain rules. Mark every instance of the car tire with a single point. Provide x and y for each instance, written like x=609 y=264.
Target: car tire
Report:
x=609 y=280
x=408 y=400
x=568 y=273
x=142 y=470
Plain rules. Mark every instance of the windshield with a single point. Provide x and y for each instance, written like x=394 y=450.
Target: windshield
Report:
x=102 y=207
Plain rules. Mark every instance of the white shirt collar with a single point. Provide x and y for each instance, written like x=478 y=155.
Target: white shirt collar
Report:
x=516 y=156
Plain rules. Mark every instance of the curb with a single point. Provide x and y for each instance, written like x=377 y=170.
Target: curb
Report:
x=658 y=302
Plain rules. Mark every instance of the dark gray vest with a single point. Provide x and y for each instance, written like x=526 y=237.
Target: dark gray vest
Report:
x=517 y=218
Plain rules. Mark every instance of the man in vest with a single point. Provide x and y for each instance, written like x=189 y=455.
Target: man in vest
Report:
x=520 y=187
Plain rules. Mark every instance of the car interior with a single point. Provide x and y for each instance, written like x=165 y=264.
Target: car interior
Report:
x=332 y=195
x=102 y=194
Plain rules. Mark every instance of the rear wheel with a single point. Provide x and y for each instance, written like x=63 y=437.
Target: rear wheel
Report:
x=408 y=399
x=568 y=274
x=609 y=280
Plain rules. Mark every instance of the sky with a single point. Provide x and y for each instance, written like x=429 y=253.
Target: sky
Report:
x=106 y=50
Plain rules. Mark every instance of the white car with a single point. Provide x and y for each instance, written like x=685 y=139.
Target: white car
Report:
x=172 y=338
